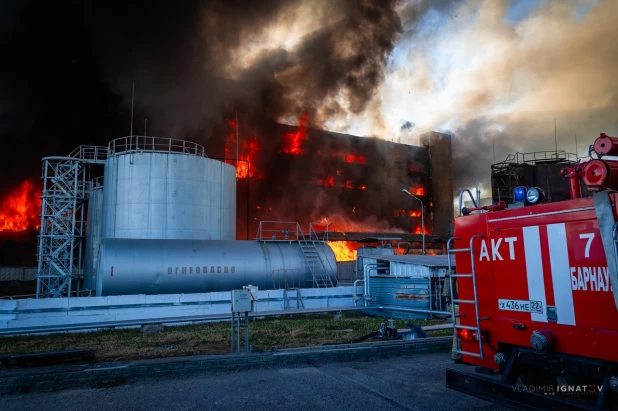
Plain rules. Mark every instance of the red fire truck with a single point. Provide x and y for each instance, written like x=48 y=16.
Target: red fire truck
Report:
x=537 y=295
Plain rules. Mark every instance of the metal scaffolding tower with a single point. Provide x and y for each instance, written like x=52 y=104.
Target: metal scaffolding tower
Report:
x=65 y=191
x=517 y=170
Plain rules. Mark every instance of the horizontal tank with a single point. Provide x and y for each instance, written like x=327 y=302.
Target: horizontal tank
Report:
x=130 y=267
x=159 y=188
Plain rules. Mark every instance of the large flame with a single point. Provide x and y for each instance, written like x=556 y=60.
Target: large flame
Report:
x=19 y=210
x=292 y=142
x=343 y=251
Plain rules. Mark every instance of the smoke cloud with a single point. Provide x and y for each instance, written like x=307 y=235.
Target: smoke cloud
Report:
x=276 y=60
x=496 y=74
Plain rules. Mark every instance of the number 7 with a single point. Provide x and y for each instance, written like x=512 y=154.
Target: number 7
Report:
x=588 y=236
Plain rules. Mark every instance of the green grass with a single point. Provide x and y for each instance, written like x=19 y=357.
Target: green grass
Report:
x=211 y=338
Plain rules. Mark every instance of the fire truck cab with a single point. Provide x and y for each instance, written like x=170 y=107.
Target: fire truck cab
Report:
x=538 y=309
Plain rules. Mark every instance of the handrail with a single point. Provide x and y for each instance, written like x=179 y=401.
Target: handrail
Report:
x=461 y=193
x=97 y=154
x=96 y=182
x=399 y=244
x=537 y=156
x=289 y=229
x=147 y=144
x=312 y=231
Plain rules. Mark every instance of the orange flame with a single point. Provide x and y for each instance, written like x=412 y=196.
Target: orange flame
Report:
x=414 y=213
x=293 y=141
x=343 y=251
x=417 y=191
x=19 y=211
x=419 y=230
x=245 y=166
x=348 y=184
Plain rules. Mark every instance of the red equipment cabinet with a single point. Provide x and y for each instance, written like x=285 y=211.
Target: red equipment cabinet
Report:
x=535 y=283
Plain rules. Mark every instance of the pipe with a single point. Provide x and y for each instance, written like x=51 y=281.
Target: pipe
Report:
x=461 y=193
x=354 y=293
x=366 y=277
x=410 y=310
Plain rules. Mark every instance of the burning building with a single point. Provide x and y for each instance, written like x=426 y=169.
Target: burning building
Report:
x=345 y=188
x=349 y=185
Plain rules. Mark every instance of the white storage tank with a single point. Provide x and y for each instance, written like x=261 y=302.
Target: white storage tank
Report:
x=161 y=188
x=93 y=234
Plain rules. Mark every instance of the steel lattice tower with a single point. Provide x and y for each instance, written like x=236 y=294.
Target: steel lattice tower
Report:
x=61 y=236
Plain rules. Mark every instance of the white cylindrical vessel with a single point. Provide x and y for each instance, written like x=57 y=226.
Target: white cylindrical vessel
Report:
x=93 y=235
x=159 y=188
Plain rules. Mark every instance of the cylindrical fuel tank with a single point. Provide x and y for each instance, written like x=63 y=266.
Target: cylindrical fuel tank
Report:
x=159 y=188
x=93 y=235
x=129 y=267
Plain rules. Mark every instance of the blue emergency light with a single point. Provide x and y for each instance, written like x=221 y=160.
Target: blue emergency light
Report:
x=519 y=194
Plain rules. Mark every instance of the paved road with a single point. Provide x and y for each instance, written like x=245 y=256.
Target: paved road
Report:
x=410 y=383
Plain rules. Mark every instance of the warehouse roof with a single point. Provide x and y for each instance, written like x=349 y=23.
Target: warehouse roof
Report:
x=426 y=260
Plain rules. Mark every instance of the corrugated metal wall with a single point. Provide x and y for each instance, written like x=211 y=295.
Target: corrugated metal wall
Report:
x=405 y=292
x=408 y=286
x=415 y=270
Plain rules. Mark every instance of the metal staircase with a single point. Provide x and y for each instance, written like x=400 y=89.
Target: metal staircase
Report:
x=62 y=231
x=321 y=279
x=455 y=316
x=292 y=233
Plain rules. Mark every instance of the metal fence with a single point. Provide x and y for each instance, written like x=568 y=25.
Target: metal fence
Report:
x=145 y=144
x=18 y=273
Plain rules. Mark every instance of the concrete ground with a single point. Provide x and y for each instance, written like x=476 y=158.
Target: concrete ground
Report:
x=413 y=382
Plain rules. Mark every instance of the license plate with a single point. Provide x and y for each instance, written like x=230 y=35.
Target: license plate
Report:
x=521 y=306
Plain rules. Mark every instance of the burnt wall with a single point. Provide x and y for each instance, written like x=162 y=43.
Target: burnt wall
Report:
x=441 y=181
x=356 y=182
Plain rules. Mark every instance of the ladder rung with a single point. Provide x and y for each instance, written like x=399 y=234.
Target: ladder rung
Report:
x=459 y=250
x=462 y=275
x=466 y=327
x=472 y=354
x=464 y=301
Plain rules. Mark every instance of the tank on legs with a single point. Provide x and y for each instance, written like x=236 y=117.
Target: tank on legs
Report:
x=129 y=266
